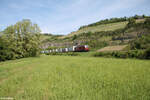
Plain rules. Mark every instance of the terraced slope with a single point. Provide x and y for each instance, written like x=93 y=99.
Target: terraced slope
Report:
x=103 y=27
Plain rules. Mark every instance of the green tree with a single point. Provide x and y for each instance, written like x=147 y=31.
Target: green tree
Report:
x=131 y=22
x=21 y=39
x=147 y=21
x=74 y=37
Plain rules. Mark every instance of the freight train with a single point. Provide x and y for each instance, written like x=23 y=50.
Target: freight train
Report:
x=78 y=48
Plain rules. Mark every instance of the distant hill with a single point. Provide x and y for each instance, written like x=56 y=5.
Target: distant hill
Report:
x=102 y=27
x=109 y=32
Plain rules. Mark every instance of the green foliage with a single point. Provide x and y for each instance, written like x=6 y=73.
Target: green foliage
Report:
x=63 y=54
x=74 y=37
x=51 y=48
x=147 y=22
x=20 y=40
x=102 y=54
x=6 y=52
x=146 y=54
x=97 y=44
x=131 y=22
x=140 y=54
x=140 y=43
x=129 y=54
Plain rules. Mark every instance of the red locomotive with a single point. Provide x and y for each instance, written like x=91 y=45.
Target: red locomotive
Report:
x=82 y=48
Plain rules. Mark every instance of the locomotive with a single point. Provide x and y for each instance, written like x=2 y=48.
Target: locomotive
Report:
x=78 y=48
x=81 y=48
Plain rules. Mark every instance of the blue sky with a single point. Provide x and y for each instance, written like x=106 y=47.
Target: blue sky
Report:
x=65 y=16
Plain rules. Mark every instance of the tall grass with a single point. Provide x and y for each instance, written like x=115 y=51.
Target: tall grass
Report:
x=75 y=78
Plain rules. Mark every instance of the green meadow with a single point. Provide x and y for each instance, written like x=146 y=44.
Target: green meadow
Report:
x=75 y=78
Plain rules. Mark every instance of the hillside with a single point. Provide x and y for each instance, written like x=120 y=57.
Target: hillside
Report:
x=98 y=28
x=112 y=32
x=103 y=27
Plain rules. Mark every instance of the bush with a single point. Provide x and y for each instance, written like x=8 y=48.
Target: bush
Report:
x=122 y=55
x=146 y=53
x=140 y=54
x=102 y=54
x=140 y=43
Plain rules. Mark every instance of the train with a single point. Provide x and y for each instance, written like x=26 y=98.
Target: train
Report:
x=78 y=48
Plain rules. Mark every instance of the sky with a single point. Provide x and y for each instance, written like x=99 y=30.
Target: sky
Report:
x=65 y=16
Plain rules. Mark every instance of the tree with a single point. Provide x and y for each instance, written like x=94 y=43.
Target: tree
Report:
x=147 y=53
x=131 y=22
x=21 y=39
x=143 y=16
x=147 y=21
x=136 y=17
x=74 y=37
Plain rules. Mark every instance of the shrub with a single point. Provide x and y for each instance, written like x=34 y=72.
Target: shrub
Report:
x=140 y=54
x=140 y=43
x=146 y=53
x=102 y=54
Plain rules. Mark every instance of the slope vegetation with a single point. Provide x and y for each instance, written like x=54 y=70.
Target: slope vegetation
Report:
x=103 y=27
x=98 y=28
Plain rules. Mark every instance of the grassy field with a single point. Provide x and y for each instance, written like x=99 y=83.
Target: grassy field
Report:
x=75 y=78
